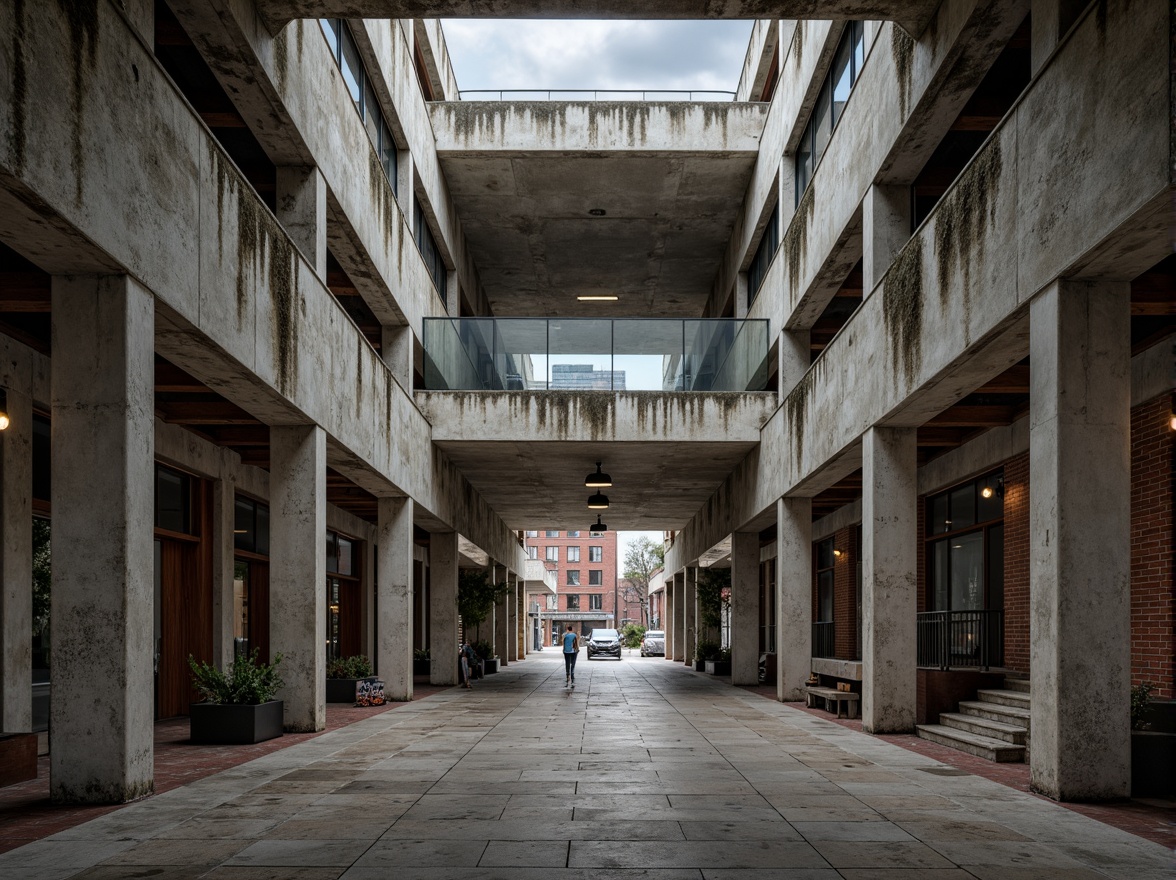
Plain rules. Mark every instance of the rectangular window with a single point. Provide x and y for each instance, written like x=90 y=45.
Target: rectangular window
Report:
x=596 y=554
x=573 y=577
x=532 y=534
x=551 y=534
x=965 y=551
x=822 y=121
x=573 y=602
x=573 y=534
x=826 y=560
x=352 y=67
x=173 y=500
x=595 y=577
x=595 y=602
x=251 y=526
x=573 y=554
x=552 y=602
x=532 y=552
x=552 y=554
x=341 y=555
x=427 y=245
x=769 y=243
x=842 y=77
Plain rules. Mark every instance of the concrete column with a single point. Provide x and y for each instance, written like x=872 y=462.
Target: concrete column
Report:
x=396 y=349
x=690 y=609
x=682 y=648
x=16 y=565
x=669 y=619
x=298 y=571
x=889 y=542
x=302 y=211
x=745 y=596
x=368 y=607
x=794 y=596
x=886 y=227
x=501 y=619
x=1049 y=23
x=1080 y=540
x=223 y=519
x=443 y=608
x=795 y=357
x=394 y=550
x=101 y=711
x=512 y=602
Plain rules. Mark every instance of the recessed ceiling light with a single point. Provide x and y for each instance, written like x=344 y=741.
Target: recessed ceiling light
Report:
x=596 y=212
x=598 y=297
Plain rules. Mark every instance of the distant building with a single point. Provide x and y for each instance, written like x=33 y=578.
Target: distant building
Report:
x=585 y=377
x=586 y=575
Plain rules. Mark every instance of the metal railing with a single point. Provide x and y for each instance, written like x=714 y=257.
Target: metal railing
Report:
x=595 y=354
x=596 y=94
x=955 y=639
x=824 y=639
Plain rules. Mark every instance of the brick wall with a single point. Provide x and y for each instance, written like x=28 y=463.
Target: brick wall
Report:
x=1153 y=596
x=845 y=594
x=1016 y=563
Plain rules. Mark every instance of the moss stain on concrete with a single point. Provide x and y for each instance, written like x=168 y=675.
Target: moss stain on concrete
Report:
x=902 y=50
x=18 y=137
x=282 y=56
x=796 y=406
x=902 y=310
x=795 y=242
x=81 y=18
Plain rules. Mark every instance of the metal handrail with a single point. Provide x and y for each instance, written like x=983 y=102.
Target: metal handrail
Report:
x=824 y=639
x=595 y=93
x=953 y=639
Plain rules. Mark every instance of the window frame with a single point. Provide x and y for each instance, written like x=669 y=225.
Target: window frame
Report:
x=992 y=530
x=596 y=577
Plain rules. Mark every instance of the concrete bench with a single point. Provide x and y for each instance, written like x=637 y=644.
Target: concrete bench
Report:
x=836 y=697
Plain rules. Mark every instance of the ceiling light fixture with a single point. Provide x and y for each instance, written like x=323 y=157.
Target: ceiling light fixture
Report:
x=597 y=529
x=597 y=480
x=597 y=297
x=597 y=501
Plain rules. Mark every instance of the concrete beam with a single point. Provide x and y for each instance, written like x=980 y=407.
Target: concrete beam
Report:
x=913 y=13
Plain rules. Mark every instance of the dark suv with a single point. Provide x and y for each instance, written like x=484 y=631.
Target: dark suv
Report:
x=606 y=642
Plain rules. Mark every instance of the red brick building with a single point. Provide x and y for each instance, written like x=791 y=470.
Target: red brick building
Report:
x=586 y=569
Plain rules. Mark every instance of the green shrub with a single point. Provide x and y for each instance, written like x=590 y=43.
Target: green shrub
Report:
x=707 y=650
x=483 y=649
x=1140 y=697
x=349 y=667
x=632 y=635
x=248 y=682
x=420 y=654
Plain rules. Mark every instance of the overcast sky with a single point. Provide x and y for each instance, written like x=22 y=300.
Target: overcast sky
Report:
x=534 y=54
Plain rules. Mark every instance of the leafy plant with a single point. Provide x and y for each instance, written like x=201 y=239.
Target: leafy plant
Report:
x=713 y=591
x=358 y=666
x=477 y=594
x=643 y=558
x=483 y=649
x=42 y=575
x=1140 y=698
x=707 y=650
x=420 y=654
x=632 y=634
x=248 y=682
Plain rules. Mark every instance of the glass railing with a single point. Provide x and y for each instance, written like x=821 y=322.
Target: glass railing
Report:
x=595 y=354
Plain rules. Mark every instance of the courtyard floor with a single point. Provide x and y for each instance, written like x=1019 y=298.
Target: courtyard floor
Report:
x=644 y=770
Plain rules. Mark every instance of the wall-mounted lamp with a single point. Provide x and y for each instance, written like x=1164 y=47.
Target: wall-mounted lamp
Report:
x=1172 y=422
x=597 y=501
x=598 y=528
x=836 y=552
x=4 y=420
x=598 y=479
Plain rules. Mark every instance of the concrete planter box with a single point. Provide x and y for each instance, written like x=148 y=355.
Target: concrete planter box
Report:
x=229 y=724
x=18 y=757
x=700 y=666
x=1153 y=763
x=342 y=690
x=421 y=667
x=718 y=667
x=491 y=665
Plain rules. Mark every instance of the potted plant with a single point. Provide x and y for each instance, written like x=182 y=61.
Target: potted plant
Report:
x=721 y=664
x=703 y=651
x=714 y=594
x=485 y=652
x=420 y=661
x=1153 y=744
x=343 y=674
x=476 y=597
x=238 y=708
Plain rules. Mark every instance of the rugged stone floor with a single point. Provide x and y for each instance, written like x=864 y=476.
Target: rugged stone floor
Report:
x=645 y=770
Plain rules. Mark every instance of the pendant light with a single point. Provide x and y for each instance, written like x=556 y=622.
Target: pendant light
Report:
x=597 y=480
x=597 y=529
x=597 y=501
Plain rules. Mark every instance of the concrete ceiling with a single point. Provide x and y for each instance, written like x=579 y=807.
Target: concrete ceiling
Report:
x=525 y=176
x=656 y=486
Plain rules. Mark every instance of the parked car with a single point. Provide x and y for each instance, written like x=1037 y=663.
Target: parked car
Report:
x=654 y=643
x=606 y=642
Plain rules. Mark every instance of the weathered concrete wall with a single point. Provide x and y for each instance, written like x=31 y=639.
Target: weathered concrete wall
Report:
x=952 y=310
x=708 y=128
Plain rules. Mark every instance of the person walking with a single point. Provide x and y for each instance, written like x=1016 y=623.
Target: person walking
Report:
x=466 y=654
x=571 y=650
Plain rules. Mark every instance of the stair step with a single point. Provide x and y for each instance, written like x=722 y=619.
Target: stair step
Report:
x=1021 y=685
x=971 y=743
x=1013 y=734
x=996 y=712
x=1004 y=698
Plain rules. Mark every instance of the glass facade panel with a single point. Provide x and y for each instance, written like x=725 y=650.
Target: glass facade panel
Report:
x=967 y=572
x=825 y=596
x=822 y=121
x=373 y=118
x=937 y=570
x=243 y=529
x=346 y=556
x=804 y=162
x=352 y=67
x=173 y=500
x=996 y=568
x=332 y=553
x=937 y=515
x=764 y=253
x=262 y=529
x=330 y=28
x=962 y=506
x=240 y=609
x=842 y=78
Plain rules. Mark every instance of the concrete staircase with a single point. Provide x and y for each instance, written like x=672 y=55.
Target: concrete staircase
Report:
x=994 y=726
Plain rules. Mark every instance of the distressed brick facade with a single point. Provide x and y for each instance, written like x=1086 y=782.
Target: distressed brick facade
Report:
x=1016 y=563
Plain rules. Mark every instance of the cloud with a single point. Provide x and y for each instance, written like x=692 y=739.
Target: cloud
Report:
x=590 y=54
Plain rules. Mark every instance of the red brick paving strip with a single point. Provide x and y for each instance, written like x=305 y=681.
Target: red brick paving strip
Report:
x=1145 y=819
x=26 y=813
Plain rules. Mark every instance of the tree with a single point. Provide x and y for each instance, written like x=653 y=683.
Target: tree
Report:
x=642 y=559
x=476 y=595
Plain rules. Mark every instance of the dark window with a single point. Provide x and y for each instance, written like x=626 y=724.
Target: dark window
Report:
x=427 y=245
x=573 y=577
x=595 y=554
x=965 y=546
x=573 y=602
x=595 y=577
x=251 y=526
x=595 y=602
x=551 y=534
x=173 y=500
x=42 y=469
x=340 y=555
x=831 y=99
x=352 y=66
x=769 y=243
x=826 y=561
x=573 y=534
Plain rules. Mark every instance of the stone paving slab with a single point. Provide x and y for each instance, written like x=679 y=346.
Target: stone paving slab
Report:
x=646 y=770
